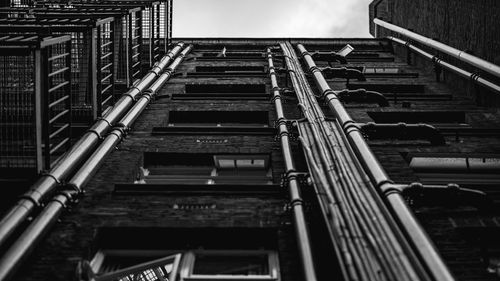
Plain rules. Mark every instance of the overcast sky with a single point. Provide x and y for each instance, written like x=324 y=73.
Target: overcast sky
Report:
x=271 y=18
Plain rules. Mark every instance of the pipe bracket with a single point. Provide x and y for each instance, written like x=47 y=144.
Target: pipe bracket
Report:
x=29 y=198
x=301 y=178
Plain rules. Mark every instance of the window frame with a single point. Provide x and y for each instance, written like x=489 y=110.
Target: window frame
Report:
x=212 y=175
x=189 y=262
x=184 y=263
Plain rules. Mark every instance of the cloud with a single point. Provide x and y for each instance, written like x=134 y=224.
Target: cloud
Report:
x=271 y=18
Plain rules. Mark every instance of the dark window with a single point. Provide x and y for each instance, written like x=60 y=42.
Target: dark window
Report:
x=218 y=118
x=225 y=88
x=387 y=88
x=223 y=91
x=239 y=71
x=229 y=69
x=188 y=265
x=217 y=123
x=227 y=264
x=433 y=117
x=234 y=54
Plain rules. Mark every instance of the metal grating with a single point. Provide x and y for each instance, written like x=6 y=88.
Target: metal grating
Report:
x=35 y=123
x=88 y=82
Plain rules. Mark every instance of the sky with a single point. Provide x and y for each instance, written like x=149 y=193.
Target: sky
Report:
x=270 y=18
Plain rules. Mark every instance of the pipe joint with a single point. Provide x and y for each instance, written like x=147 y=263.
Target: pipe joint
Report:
x=275 y=97
x=329 y=95
x=74 y=187
x=350 y=126
x=47 y=174
x=31 y=199
x=305 y=53
x=296 y=202
x=387 y=187
x=314 y=69
x=280 y=121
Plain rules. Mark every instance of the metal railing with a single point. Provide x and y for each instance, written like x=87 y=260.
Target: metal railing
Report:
x=460 y=55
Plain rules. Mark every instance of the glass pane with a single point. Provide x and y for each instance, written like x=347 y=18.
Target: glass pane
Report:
x=231 y=265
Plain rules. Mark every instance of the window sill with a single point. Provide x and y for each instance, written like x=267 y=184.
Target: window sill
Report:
x=205 y=189
x=203 y=130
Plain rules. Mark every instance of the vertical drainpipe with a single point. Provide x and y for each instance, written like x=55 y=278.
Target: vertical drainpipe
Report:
x=296 y=201
x=33 y=234
x=392 y=193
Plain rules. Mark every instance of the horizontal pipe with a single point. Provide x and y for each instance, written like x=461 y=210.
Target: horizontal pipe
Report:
x=21 y=248
x=421 y=242
x=454 y=69
x=77 y=153
x=460 y=55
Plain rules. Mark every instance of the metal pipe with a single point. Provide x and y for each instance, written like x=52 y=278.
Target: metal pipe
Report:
x=31 y=236
x=26 y=242
x=460 y=72
x=460 y=55
x=293 y=186
x=421 y=242
x=81 y=149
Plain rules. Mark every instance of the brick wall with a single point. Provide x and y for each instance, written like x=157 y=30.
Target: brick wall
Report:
x=464 y=24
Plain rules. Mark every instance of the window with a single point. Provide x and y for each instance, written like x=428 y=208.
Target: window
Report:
x=211 y=71
x=217 y=122
x=218 y=118
x=109 y=266
x=469 y=171
x=388 y=72
x=186 y=168
x=387 y=88
x=223 y=91
x=225 y=54
x=432 y=117
x=200 y=265
x=230 y=265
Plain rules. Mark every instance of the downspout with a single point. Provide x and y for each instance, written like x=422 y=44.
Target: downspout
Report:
x=460 y=72
x=421 y=242
x=78 y=152
x=28 y=240
x=460 y=55
x=296 y=201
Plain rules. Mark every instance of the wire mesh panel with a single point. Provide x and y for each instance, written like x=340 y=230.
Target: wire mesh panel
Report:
x=105 y=69
x=124 y=49
x=88 y=82
x=35 y=118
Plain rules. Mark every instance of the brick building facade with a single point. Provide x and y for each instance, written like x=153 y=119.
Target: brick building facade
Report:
x=203 y=183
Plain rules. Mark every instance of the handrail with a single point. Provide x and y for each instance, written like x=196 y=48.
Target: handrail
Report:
x=461 y=55
x=463 y=73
